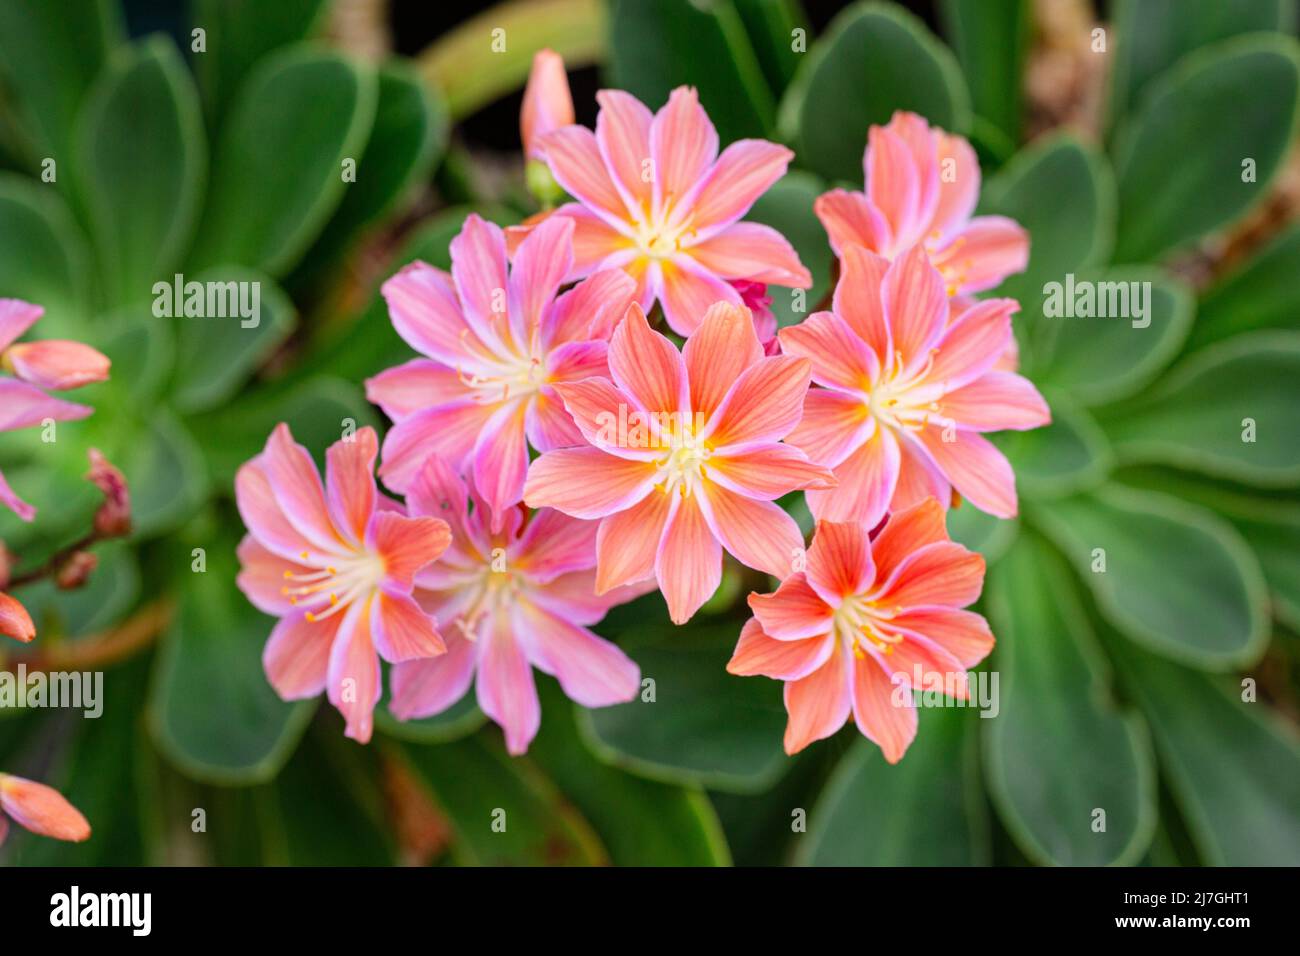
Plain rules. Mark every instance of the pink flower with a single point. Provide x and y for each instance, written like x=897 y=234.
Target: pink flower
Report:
x=922 y=185
x=37 y=365
x=497 y=344
x=40 y=809
x=867 y=623
x=15 y=622
x=685 y=458
x=654 y=198
x=336 y=564
x=906 y=393
x=548 y=105
x=520 y=597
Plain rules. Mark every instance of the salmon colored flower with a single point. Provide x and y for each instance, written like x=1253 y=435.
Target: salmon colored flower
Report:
x=685 y=457
x=905 y=393
x=38 y=365
x=548 y=105
x=15 y=622
x=496 y=342
x=510 y=600
x=336 y=564
x=654 y=197
x=922 y=185
x=867 y=623
x=40 y=809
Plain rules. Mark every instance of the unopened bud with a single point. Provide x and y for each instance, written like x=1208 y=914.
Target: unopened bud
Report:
x=75 y=570
x=113 y=519
x=15 y=622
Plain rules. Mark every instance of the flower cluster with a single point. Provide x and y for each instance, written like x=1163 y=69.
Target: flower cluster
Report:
x=559 y=456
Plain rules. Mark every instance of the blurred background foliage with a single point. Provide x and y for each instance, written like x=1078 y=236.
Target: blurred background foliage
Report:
x=1121 y=151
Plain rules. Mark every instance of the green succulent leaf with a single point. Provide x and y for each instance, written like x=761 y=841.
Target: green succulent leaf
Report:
x=504 y=810
x=238 y=35
x=788 y=208
x=1176 y=578
x=1067 y=455
x=875 y=59
x=1069 y=229
x=926 y=811
x=1059 y=748
x=278 y=170
x=643 y=823
x=771 y=26
x=216 y=355
x=43 y=255
x=1152 y=35
x=991 y=41
x=704 y=726
x=111 y=590
x=140 y=167
x=409 y=134
x=1228 y=411
x=656 y=47
x=1096 y=360
x=981 y=531
x=1261 y=294
x=211 y=710
x=1208 y=139
x=1233 y=767
x=46 y=67
x=163 y=465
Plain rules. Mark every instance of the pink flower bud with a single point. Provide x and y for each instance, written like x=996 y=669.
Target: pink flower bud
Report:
x=56 y=364
x=75 y=570
x=41 y=809
x=113 y=519
x=548 y=105
x=15 y=622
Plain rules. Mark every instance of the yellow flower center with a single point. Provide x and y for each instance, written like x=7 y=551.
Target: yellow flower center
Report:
x=335 y=586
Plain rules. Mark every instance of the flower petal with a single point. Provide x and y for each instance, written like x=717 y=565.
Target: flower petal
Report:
x=422 y=688
x=763 y=405
x=975 y=467
x=988 y=250
x=751 y=251
x=478 y=268
x=997 y=401
x=905 y=533
x=576 y=163
x=817 y=704
x=296 y=658
x=586 y=482
x=866 y=481
x=716 y=354
x=421 y=383
x=942 y=573
x=506 y=691
x=16 y=317
x=554 y=543
x=406 y=544
x=57 y=364
x=42 y=809
x=839 y=561
x=964 y=634
x=446 y=431
x=401 y=631
x=9 y=498
x=350 y=482
x=741 y=174
x=689 y=561
x=916 y=305
x=839 y=357
x=758 y=654
x=354 y=682
x=628 y=542
x=883 y=711
x=973 y=343
x=794 y=611
x=767 y=471
x=623 y=137
x=687 y=290
x=851 y=221
x=592 y=309
x=593 y=672
x=539 y=267
x=683 y=144
x=858 y=299
x=758 y=533
x=23 y=405
x=647 y=366
x=298 y=490
x=501 y=460
x=426 y=312
x=833 y=426
x=15 y=622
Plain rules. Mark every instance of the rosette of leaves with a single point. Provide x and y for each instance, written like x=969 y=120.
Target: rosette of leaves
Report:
x=238 y=150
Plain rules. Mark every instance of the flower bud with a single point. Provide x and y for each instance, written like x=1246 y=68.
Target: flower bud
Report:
x=548 y=105
x=15 y=622
x=113 y=519
x=41 y=809
x=56 y=364
x=75 y=570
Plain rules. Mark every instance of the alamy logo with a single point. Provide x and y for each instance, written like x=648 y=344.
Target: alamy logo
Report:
x=209 y=300
x=75 y=690
x=1083 y=299
x=131 y=910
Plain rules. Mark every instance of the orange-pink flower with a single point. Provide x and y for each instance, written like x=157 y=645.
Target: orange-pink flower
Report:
x=922 y=185
x=548 y=105
x=336 y=564
x=685 y=457
x=510 y=600
x=867 y=623
x=497 y=341
x=15 y=622
x=50 y=364
x=906 y=391
x=654 y=198
x=40 y=809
